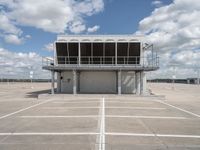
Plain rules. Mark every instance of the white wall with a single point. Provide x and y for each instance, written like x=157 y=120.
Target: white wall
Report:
x=128 y=82
x=67 y=82
x=98 y=82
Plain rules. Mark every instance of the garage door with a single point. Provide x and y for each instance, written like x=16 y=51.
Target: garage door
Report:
x=98 y=82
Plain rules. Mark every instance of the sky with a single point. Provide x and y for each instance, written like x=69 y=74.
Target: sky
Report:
x=29 y=27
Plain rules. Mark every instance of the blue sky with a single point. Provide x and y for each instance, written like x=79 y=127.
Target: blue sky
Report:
x=29 y=27
x=118 y=17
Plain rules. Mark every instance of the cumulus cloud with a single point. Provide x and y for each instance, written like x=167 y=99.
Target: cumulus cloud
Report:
x=56 y=16
x=13 y=39
x=93 y=29
x=19 y=65
x=174 y=29
x=157 y=3
x=48 y=47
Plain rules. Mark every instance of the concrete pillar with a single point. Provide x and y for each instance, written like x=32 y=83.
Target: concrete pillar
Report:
x=119 y=82
x=58 y=82
x=188 y=81
x=116 y=53
x=79 y=53
x=74 y=82
x=143 y=82
x=137 y=82
x=78 y=81
x=52 y=82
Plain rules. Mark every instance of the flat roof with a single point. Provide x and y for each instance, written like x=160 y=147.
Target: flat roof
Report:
x=100 y=38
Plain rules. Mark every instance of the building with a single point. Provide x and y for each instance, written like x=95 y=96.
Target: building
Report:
x=101 y=64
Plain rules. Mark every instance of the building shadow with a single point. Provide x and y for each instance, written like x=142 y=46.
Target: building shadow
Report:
x=35 y=94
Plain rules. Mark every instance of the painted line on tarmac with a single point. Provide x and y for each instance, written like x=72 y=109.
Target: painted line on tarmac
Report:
x=70 y=108
x=153 y=135
x=49 y=133
x=178 y=108
x=131 y=102
x=145 y=117
x=21 y=110
x=98 y=137
x=147 y=108
x=102 y=128
x=53 y=116
x=76 y=102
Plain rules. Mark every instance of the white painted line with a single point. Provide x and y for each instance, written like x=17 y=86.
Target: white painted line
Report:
x=21 y=110
x=76 y=102
x=145 y=117
x=80 y=116
x=98 y=137
x=131 y=102
x=153 y=135
x=147 y=108
x=178 y=108
x=102 y=133
x=49 y=133
x=70 y=108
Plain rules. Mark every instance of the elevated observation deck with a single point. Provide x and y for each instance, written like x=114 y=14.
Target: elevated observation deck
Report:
x=102 y=52
x=102 y=63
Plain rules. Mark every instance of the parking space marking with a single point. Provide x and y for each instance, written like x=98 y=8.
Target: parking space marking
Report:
x=102 y=128
x=131 y=102
x=153 y=135
x=49 y=133
x=147 y=108
x=21 y=110
x=63 y=102
x=70 y=108
x=145 y=117
x=53 y=116
x=178 y=108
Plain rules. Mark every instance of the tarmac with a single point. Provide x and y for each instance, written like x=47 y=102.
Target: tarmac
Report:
x=99 y=122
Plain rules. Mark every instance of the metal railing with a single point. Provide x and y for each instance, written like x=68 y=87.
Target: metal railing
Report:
x=102 y=61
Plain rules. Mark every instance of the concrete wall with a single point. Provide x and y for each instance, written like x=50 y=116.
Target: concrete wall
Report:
x=67 y=82
x=103 y=82
x=98 y=82
x=128 y=83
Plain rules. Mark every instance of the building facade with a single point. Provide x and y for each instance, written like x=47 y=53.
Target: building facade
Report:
x=101 y=64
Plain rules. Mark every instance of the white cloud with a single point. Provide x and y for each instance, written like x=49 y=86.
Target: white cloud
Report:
x=57 y=16
x=93 y=29
x=13 y=39
x=77 y=27
x=157 y=3
x=175 y=30
x=48 y=47
x=19 y=65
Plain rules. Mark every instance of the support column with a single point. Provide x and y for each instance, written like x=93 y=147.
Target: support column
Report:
x=115 y=53
x=143 y=82
x=119 y=82
x=58 y=82
x=52 y=82
x=74 y=82
x=79 y=53
x=137 y=82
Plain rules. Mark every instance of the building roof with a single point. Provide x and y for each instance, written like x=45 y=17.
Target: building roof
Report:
x=100 y=38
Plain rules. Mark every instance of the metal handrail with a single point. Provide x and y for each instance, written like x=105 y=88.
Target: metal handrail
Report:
x=103 y=61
